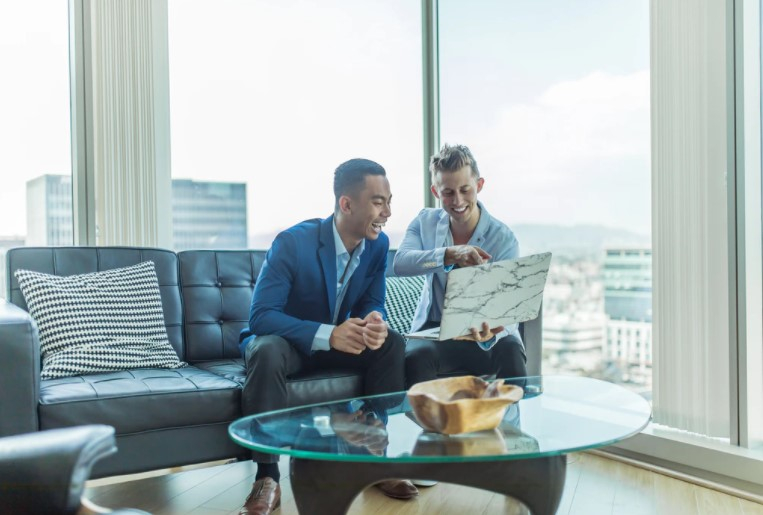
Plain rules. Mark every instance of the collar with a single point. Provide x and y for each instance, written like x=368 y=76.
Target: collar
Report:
x=339 y=244
x=478 y=235
x=483 y=224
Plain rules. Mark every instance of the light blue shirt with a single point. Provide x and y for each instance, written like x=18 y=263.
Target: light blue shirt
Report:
x=439 y=282
x=422 y=252
x=343 y=262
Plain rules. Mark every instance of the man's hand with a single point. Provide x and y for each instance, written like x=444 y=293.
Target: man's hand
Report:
x=481 y=335
x=349 y=336
x=361 y=430
x=465 y=255
x=375 y=330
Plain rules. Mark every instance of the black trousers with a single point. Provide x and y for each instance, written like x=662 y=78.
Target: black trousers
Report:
x=270 y=360
x=426 y=359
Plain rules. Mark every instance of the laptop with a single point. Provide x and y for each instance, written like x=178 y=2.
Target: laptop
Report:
x=500 y=293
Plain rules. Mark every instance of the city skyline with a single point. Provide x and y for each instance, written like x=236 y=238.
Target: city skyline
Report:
x=205 y=214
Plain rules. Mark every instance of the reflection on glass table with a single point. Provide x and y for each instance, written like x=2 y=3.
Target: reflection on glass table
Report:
x=381 y=438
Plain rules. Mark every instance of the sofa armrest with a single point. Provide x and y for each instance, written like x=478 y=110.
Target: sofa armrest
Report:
x=45 y=471
x=19 y=370
x=532 y=336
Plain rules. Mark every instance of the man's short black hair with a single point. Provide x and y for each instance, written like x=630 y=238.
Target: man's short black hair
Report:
x=350 y=176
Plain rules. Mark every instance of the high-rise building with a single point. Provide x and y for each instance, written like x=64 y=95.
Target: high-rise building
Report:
x=204 y=214
x=49 y=210
x=573 y=340
x=628 y=307
x=208 y=215
x=5 y=244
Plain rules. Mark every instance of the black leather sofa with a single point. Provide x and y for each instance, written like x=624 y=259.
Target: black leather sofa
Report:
x=163 y=418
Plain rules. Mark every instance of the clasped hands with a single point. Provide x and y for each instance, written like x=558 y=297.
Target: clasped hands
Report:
x=355 y=335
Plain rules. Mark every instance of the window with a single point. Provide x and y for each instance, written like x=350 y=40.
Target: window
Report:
x=558 y=122
x=35 y=164
x=275 y=96
x=552 y=98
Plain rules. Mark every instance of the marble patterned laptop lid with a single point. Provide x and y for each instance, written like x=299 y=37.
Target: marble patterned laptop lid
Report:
x=499 y=293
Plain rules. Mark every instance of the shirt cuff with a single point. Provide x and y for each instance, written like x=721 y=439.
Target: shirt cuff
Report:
x=440 y=257
x=321 y=338
x=488 y=344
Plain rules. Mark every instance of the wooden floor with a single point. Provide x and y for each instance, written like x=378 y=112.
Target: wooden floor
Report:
x=594 y=486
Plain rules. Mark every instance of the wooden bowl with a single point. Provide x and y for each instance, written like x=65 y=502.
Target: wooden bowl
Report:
x=461 y=404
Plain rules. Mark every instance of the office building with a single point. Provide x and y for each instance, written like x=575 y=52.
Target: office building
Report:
x=49 y=210
x=205 y=214
x=628 y=308
x=573 y=341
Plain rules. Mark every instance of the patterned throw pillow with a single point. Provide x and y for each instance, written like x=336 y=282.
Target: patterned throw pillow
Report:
x=99 y=322
x=402 y=298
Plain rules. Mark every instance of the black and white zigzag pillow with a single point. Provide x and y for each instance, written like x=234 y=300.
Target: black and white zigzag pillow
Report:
x=99 y=322
x=401 y=300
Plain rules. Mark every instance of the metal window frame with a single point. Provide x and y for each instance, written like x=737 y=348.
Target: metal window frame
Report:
x=676 y=454
x=82 y=147
x=431 y=95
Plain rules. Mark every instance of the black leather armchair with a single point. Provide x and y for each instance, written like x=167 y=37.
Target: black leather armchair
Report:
x=45 y=472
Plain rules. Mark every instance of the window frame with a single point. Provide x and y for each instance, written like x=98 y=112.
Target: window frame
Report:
x=734 y=461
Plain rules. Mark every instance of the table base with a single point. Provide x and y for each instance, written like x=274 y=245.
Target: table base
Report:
x=329 y=487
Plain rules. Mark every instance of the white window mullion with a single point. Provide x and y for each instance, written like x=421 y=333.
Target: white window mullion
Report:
x=127 y=87
x=748 y=275
x=83 y=190
x=689 y=220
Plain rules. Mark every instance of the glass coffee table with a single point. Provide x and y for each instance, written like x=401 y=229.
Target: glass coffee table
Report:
x=337 y=449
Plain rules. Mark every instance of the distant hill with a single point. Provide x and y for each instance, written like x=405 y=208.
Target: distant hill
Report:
x=576 y=240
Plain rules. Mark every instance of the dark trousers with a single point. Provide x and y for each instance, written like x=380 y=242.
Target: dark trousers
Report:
x=426 y=359
x=270 y=360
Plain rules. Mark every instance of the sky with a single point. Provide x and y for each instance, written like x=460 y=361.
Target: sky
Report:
x=552 y=96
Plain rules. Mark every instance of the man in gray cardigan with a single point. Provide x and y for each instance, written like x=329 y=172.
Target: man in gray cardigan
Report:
x=461 y=233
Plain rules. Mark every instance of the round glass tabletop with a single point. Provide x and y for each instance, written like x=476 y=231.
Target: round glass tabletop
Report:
x=557 y=415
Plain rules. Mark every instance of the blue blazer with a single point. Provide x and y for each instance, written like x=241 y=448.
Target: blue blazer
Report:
x=296 y=290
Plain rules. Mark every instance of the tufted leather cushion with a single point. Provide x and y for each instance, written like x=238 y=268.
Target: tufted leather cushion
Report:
x=217 y=291
x=85 y=260
x=140 y=400
x=306 y=388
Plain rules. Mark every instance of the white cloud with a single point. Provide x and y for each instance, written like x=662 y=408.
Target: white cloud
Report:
x=579 y=153
x=598 y=116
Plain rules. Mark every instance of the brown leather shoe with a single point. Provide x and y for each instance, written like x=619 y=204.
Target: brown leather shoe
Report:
x=398 y=489
x=264 y=498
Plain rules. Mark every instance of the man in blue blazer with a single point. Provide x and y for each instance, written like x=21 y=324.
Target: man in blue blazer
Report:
x=461 y=233
x=319 y=303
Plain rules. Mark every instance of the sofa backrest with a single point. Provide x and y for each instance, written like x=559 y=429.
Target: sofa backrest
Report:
x=206 y=294
x=216 y=286
x=85 y=260
x=211 y=291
